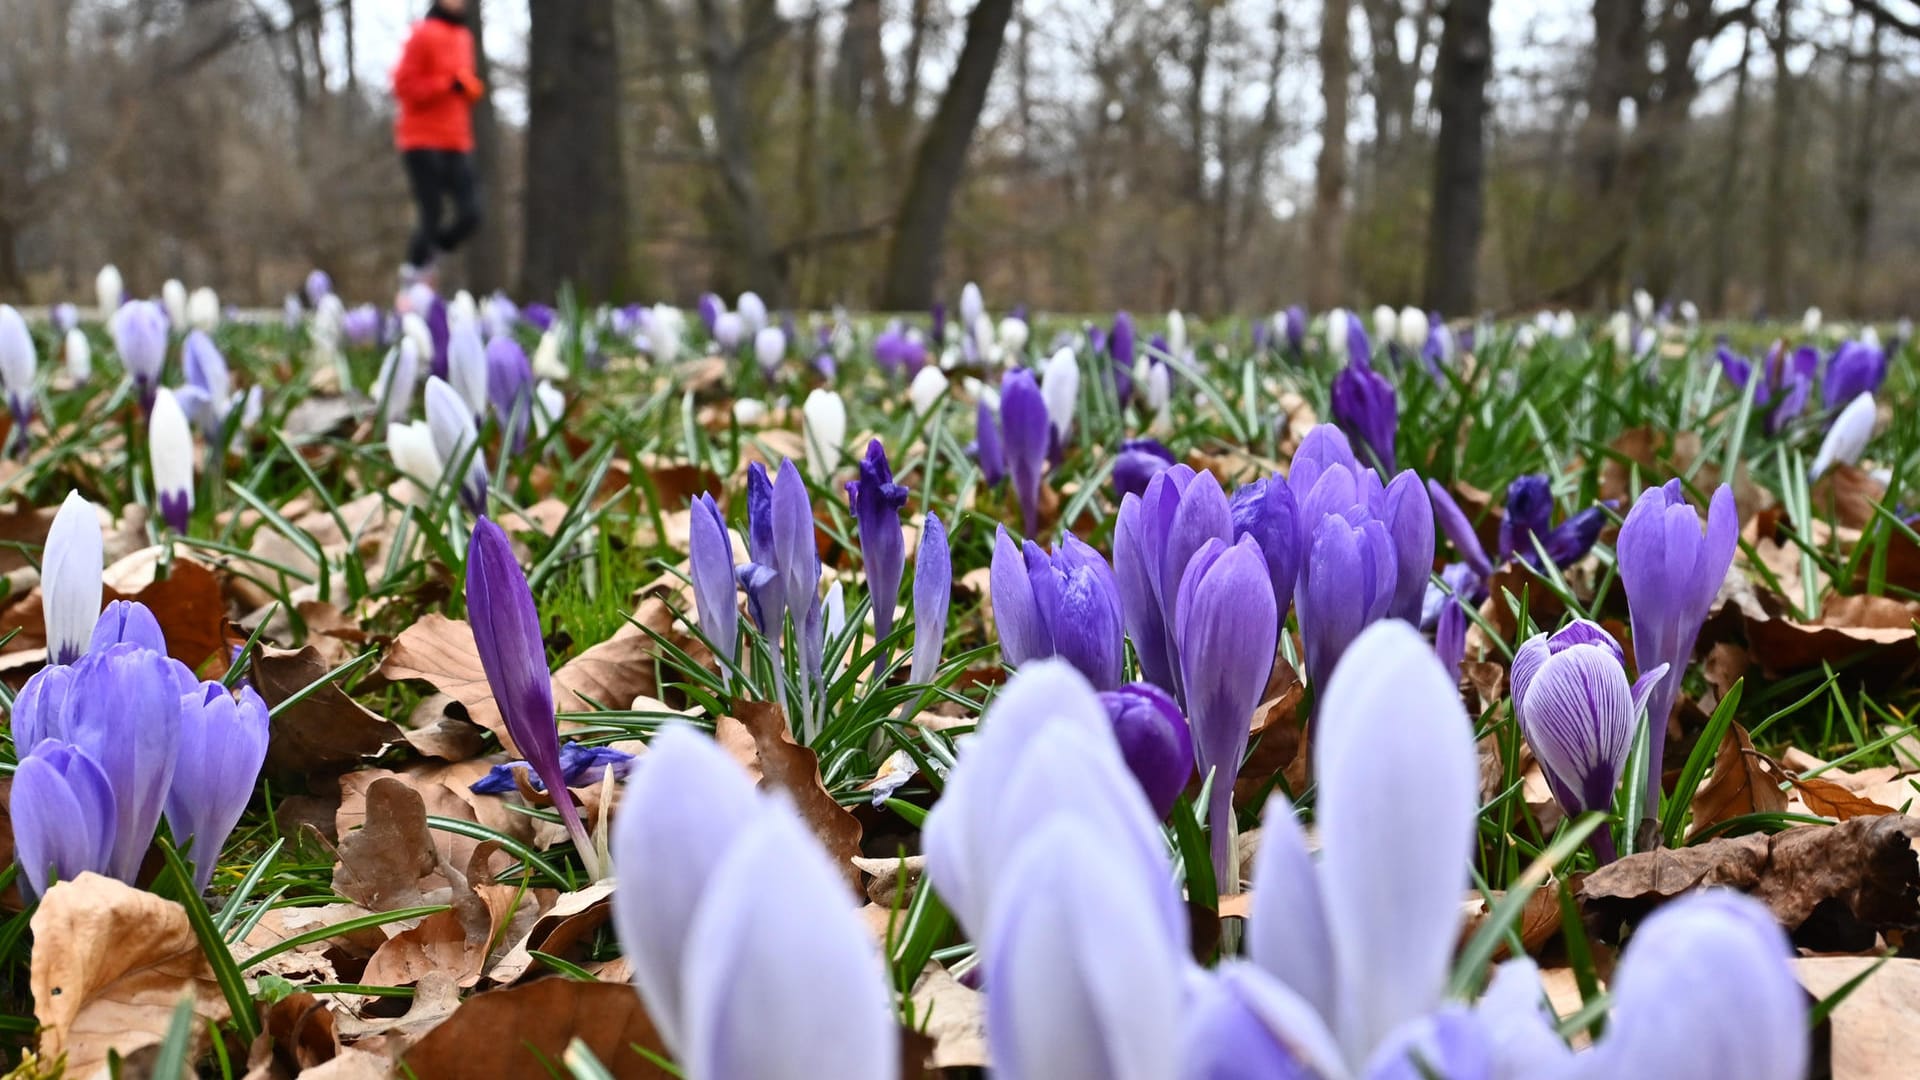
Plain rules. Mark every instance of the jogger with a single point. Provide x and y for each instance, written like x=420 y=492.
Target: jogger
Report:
x=436 y=87
x=437 y=178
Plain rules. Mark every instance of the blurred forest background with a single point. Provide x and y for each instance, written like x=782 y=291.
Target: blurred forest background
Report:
x=1216 y=155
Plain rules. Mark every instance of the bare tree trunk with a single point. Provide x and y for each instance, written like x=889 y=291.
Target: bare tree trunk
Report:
x=1619 y=57
x=1196 y=178
x=1726 y=197
x=723 y=61
x=1780 y=158
x=1460 y=156
x=486 y=253
x=1857 y=187
x=1324 y=239
x=576 y=208
x=348 y=28
x=919 y=233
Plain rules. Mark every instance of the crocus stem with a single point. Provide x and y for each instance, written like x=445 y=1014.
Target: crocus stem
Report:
x=1221 y=829
x=1601 y=841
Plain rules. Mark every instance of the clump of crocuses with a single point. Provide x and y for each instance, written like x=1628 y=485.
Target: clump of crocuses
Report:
x=876 y=501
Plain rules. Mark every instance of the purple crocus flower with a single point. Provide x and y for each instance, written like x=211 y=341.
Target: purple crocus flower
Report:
x=710 y=308
x=1227 y=631
x=1262 y=337
x=876 y=502
x=64 y=819
x=318 y=286
x=1408 y=515
x=938 y=316
x=539 y=316
x=1154 y=539
x=510 y=389
x=1154 y=739
x=208 y=395
x=1139 y=461
x=1459 y=531
x=65 y=316
x=795 y=554
x=455 y=439
x=1739 y=371
x=1296 y=320
x=891 y=346
x=1064 y=604
x=766 y=596
x=1671 y=571
x=1025 y=434
x=1323 y=447
x=140 y=337
x=1571 y=697
x=1855 y=368
x=1046 y=751
x=986 y=449
x=1459 y=587
x=223 y=743
x=1365 y=405
x=439 y=331
x=1347 y=583
x=710 y=561
x=932 y=593
x=506 y=631
x=1265 y=510
x=1570 y=540
x=361 y=325
x=578 y=764
x=1529 y=514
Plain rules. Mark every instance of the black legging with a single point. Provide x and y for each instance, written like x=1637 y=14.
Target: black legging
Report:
x=435 y=176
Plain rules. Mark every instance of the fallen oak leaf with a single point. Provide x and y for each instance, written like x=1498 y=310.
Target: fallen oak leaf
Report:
x=390 y=862
x=520 y=1031
x=956 y=1019
x=326 y=730
x=1836 y=888
x=1739 y=783
x=1824 y=798
x=110 y=964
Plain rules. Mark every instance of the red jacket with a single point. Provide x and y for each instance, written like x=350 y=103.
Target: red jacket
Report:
x=436 y=88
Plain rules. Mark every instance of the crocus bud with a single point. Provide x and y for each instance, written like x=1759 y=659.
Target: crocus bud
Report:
x=1324 y=445
x=79 y=354
x=1139 y=461
x=1265 y=510
x=789 y=991
x=510 y=389
x=318 y=286
x=1671 y=571
x=173 y=296
x=876 y=502
x=361 y=326
x=1066 y=604
x=825 y=416
x=1847 y=439
x=468 y=369
x=1025 y=434
x=127 y=621
x=410 y=445
x=70 y=579
x=769 y=348
x=1529 y=514
x=1154 y=739
x=1154 y=540
x=795 y=553
x=749 y=412
x=506 y=632
x=1013 y=338
x=64 y=819
x=728 y=329
x=398 y=379
x=109 y=290
x=753 y=311
x=1346 y=584
x=462 y=310
x=1058 y=1009
x=665 y=857
x=1571 y=696
x=170 y=454
x=710 y=308
x=928 y=387
x=1364 y=404
x=18 y=361
x=986 y=449
x=1855 y=368
x=123 y=709
x=1338 y=336
x=203 y=309
x=223 y=742
x=1385 y=324
x=1452 y=521
x=710 y=558
x=1176 y=334
x=932 y=593
x=1227 y=632
x=1810 y=322
x=1408 y=515
x=140 y=337
x=456 y=440
x=208 y=395
x=1411 y=329
x=972 y=306
x=1060 y=388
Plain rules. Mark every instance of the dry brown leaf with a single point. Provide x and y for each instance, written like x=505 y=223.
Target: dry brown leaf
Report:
x=301 y=1031
x=1277 y=739
x=571 y=919
x=1739 y=783
x=1824 y=798
x=757 y=736
x=325 y=731
x=954 y=1016
x=1876 y=1030
x=447 y=791
x=520 y=1031
x=1539 y=918
x=390 y=862
x=110 y=964
x=448 y=942
x=894 y=881
x=1846 y=495
x=437 y=730
x=1834 y=887
x=190 y=607
x=1848 y=626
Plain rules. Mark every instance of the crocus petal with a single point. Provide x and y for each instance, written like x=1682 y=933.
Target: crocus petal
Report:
x=1706 y=989
x=826 y=432
x=1060 y=387
x=1459 y=531
x=684 y=804
x=876 y=502
x=1577 y=715
x=223 y=743
x=1392 y=872
x=1135 y=569
x=1847 y=439
x=64 y=818
x=1155 y=740
x=1287 y=932
x=1023 y=631
x=170 y=450
x=1520 y=1024
x=1324 y=445
x=794 y=552
x=1265 y=510
x=787 y=991
x=710 y=559
x=456 y=440
x=987 y=451
x=70 y=586
x=1242 y=1024
x=1024 y=433
x=124 y=711
x=932 y=593
x=1065 y=1004
x=1408 y=515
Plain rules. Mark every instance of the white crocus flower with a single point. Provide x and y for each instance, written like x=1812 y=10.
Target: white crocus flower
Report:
x=203 y=309
x=462 y=310
x=1689 y=313
x=753 y=314
x=928 y=387
x=79 y=356
x=1848 y=437
x=728 y=329
x=411 y=447
x=1565 y=325
x=109 y=290
x=549 y=404
x=1413 y=326
x=972 y=305
x=546 y=355
x=173 y=297
x=1386 y=325
x=1621 y=327
x=170 y=455
x=1013 y=337
x=1337 y=333
x=1060 y=388
x=769 y=348
x=749 y=412
x=467 y=367
x=1810 y=322
x=666 y=333
x=1177 y=334
x=825 y=418
x=70 y=579
x=1643 y=304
